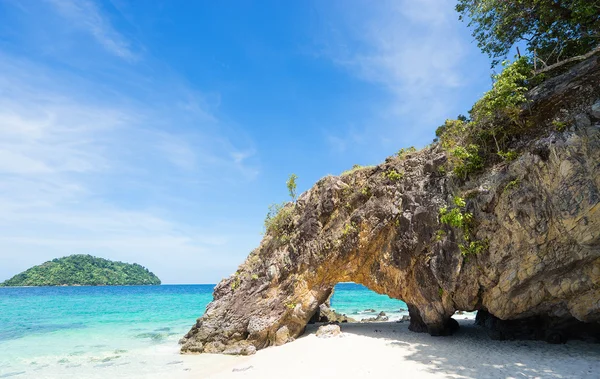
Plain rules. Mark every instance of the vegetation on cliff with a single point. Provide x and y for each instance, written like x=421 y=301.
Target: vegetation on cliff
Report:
x=84 y=270
x=555 y=34
x=552 y=30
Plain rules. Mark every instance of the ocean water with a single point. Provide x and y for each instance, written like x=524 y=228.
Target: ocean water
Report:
x=357 y=301
x=120 y=332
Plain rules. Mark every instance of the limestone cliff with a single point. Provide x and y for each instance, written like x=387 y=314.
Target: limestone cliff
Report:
x=537 y=220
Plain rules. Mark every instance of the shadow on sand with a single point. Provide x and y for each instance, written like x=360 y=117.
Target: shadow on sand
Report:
x=470 y=353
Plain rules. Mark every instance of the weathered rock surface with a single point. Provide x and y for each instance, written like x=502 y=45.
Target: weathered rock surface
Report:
x=539 y=215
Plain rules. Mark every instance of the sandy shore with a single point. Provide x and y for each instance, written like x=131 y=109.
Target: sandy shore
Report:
x=382 y=350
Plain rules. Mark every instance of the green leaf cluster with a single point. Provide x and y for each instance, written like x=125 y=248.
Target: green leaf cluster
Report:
x=350 y=228
x=472 y=247
x=279 y=220
x=512 y=184
x=560 y=126
x=236 y=282
x=494 y=120
x=84 y=270
x=291 y=186
x=508 y=156
x=393 y=175
x=467 y=160
x=405 y=150
x=457 y=217
x=552 y=30
x=507 y=93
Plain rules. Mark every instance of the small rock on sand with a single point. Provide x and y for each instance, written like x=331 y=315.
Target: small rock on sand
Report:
x=327 y=331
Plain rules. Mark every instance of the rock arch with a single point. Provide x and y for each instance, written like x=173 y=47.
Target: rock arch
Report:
x=379 y=226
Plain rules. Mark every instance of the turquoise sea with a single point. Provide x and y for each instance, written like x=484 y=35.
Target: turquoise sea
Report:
x=113 y=332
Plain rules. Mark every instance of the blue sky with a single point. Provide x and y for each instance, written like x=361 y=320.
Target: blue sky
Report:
x=159 y=132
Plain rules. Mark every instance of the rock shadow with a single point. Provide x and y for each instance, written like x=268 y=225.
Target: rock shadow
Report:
x=471 y=353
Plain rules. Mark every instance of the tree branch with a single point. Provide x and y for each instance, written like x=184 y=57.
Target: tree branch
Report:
x=569 y=60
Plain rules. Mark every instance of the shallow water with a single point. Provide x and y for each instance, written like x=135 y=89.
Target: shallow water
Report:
x=358 y=302
x=100 y=332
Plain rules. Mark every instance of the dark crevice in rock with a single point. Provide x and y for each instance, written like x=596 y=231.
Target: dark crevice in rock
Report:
x=546 y=328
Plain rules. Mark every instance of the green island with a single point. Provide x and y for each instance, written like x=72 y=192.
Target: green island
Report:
x=83 y=270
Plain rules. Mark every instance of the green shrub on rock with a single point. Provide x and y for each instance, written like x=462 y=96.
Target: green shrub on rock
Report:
x=404 y=151
x=458 y=218
x=393 y=175
x=278 y=220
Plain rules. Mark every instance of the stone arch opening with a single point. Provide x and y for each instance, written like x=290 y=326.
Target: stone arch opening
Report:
x=357 y=303
x=364 y=228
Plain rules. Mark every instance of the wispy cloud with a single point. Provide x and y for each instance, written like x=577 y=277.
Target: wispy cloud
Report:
x=87 y=16
x=410 y=49
x=88 y=169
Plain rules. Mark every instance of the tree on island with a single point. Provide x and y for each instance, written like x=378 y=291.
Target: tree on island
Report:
x=83 y=270
x=552 y=30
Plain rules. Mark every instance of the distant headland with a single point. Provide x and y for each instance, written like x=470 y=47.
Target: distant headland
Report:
x=83 y=270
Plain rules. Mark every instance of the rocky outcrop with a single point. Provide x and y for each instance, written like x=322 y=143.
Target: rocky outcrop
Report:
x=537 y=218
x=325 y=314
x=381 y=317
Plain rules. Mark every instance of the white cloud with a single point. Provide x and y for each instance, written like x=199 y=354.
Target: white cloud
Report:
x=82 y=175
x=178 y=152
x=85 y=15
x=412 y=50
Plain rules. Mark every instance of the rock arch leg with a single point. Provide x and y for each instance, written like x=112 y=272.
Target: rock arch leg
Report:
x=243 y=319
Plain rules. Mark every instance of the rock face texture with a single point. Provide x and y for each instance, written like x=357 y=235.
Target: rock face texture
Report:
x=538 y=215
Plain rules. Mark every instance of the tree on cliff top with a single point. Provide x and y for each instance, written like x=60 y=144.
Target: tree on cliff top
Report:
x=552 y=30
x=291 y=186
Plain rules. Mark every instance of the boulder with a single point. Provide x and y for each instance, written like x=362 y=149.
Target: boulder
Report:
x=282 y=336
x=327 y=331
x=381 y=317
x=404 y=318
x=325 y=314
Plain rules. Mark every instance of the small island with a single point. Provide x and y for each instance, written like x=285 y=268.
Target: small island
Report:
x=83 y=270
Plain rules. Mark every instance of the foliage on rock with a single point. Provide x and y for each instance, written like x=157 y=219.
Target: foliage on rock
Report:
x=405 y=150
x=457 y=217
x=393 y=175
x=278 y=220
x=495 y=120
x=291 y=186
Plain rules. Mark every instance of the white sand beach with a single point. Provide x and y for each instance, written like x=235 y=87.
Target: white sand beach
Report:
x=383 y=350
